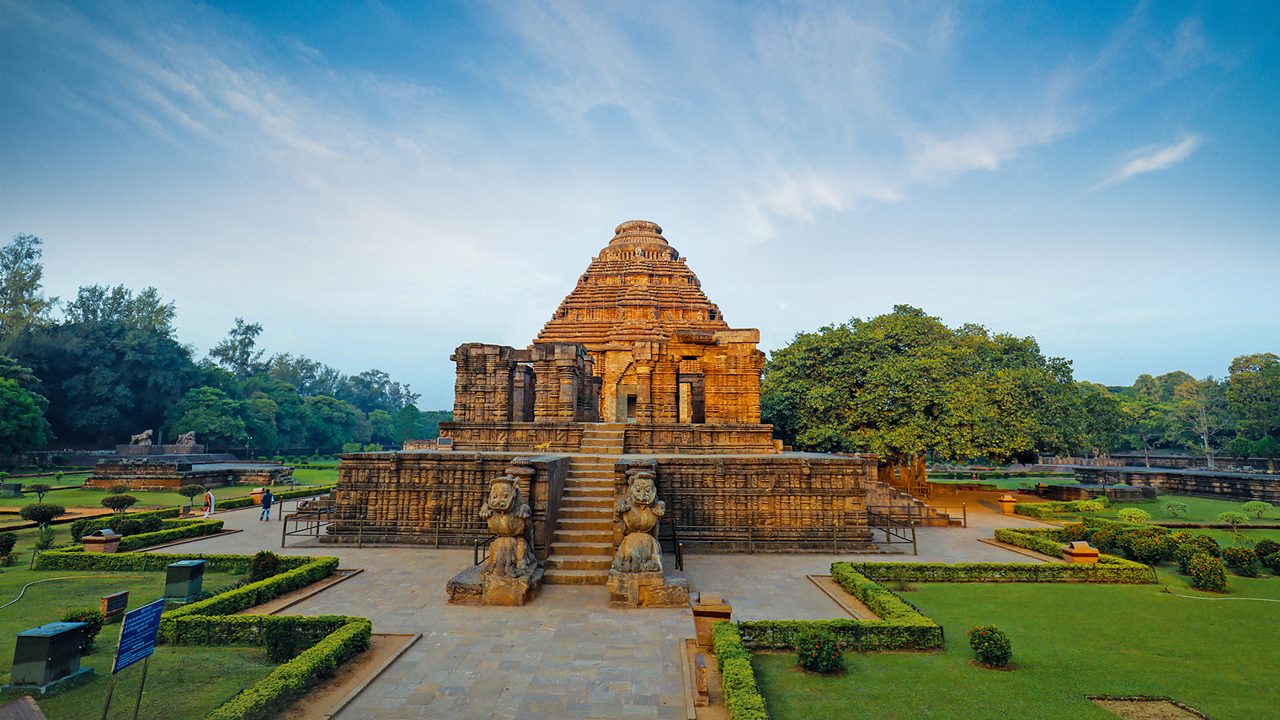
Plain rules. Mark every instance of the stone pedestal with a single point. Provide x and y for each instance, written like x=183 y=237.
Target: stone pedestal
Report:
x=647 y=589
x=709 y=610
x=473 y=587
x=1080 y=552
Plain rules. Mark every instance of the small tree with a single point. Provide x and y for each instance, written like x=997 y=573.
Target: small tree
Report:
x=119 y=503
x=1176 y=509
x=119 y=488
x=191 y=491
x=57 y=477
x=1133 y=515
x=1234 y=519
x=1256 y=508
x=41 y=513
x=40 y=489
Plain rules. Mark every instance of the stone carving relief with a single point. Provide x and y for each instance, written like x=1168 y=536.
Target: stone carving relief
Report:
x=509 y=518
x=142 y=438
x=639 y=510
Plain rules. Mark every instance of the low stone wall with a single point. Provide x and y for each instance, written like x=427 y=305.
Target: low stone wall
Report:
x=149 y=474
x=787 y=501
x=700 y=439
x=1243 y=486
x=426 y=497
x=514 y=437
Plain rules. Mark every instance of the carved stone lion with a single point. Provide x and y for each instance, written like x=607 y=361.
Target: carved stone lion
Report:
x=639 y=510
x=508 y=516
x=142 y=438
x=187 y=438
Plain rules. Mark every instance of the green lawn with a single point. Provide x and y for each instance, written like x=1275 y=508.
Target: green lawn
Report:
x=85 y=497
x=1014 y=482
x=1200 y=510
x=1069 y=641
x=202 y=678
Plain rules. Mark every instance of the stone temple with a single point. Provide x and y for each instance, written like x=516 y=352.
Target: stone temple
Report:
x=637 y=368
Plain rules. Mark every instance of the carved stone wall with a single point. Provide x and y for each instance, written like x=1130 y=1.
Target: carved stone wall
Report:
x=786 y=500
x=418 y=497
x=1243 y=486
x=543 y=383
x=657 y=438
x=148 y=474
x=513 y=437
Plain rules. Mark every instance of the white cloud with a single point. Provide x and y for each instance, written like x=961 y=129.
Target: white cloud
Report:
x=1153 y=159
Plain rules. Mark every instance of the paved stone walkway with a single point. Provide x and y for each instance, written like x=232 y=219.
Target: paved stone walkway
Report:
x=567 y=655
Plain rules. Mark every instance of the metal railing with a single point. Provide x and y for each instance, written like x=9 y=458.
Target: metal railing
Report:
x=962 y=507
x=898 y=527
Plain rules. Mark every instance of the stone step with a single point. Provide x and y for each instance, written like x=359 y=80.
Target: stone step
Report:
x=584 y=536
x=575 y=577
x=589 y=491
x=578 y=512
x=580 y=562
x=586 y=524
x=601 y=473
x=586 y=501
x=580 y=549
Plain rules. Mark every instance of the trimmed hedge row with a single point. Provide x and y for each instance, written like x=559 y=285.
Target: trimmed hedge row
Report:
x=1109 y=569
x=283 y=636
x=85 y=526
x=292 y=680
x=304 y=491
x=174 y=530
x=742 y=698
x=1037 y=542
x=75 y=559
x=255 y=593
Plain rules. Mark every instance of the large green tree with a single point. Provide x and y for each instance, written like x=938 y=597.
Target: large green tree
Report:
x=1253 y=395
x=22 y=425
x=214 y=416
x=904 y=384
x=1201 y=414
x=23 y=304
x=332 y=422
x=238 y=352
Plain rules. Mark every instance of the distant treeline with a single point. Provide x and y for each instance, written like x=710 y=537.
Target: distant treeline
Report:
x=94 y=370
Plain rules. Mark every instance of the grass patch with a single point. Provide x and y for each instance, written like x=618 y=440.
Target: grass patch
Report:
x=1199 y=509
x=1068 y=641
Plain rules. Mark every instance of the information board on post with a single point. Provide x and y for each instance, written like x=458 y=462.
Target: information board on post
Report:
x=138 y=635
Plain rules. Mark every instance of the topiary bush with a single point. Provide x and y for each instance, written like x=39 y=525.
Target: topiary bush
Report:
x=1136 y=516
x=1241 y=559
x=1148 y=550
x=7 y=541
x=820 y=652
x=1090 y=506
x=1234 y=519
x=119 y=488
x=264 y=565
x=1256 y=508
x=93 y=620
x=40 y=489
x=191 y=491
x=1272 y=562
x=41 y=513
x=1207 y=573
x=990 y=645
x=1176 y=509
x=119 y=503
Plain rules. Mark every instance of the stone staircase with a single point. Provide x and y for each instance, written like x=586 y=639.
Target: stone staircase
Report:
x=582 y=547
x=883 y=495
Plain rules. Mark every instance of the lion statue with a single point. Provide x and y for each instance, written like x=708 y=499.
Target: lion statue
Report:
x=508 y=517
x=639 y=510
x=142 y=438
x=187 y=438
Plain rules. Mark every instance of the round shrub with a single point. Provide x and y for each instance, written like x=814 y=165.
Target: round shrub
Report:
x=41 y=513
x=40 y=489
x=1072 y=532
x=1147 y=550
x=1207 y=573
x=1106 y=538
x=93 y=620
x=1135 y=516
x=1102 y=500
x=1242 y=560
x=1272 y=562
x=1130 y=536
x=191 y=491
x=1263 y=548
x=1090 y=506
x=264 y=565
x=1176 y=509
x=7 y=541
x=119 y=488
x=1207 y=545
x=820 y=652
x=990 y=645
x=119 y=503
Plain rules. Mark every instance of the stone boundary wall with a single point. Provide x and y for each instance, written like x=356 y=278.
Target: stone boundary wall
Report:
x=417 y=496
x=788 y=501
x=1242 y=486
x=1182 y=462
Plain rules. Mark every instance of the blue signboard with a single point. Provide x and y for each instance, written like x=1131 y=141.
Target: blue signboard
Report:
x=138 y=635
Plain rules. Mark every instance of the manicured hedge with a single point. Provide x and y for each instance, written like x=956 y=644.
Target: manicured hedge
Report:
x=283 y=636
x=85 y=526
x=742 y=698
x=901 y=626
x=295 y=678
x=1109 y=569
x=75 y=559
x=304 y=491
x=248 y=596
x=1037 y=542
x=173 y=530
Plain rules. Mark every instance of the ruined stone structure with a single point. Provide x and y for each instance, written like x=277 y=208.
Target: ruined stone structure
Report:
x=636 y=376
x=152 y=473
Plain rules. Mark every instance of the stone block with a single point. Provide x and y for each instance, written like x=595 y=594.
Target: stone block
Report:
x=473 y=587
x=646 y=589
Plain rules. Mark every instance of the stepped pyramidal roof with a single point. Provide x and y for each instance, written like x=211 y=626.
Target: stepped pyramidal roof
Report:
x=637 y=289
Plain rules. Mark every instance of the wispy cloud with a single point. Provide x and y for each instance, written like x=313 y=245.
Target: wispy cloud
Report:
x=1153 y=159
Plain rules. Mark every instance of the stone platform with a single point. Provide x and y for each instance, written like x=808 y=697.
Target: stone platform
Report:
x=145 y=473
x=473 y=587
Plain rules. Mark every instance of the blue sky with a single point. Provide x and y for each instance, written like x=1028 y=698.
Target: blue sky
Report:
x=379 y=182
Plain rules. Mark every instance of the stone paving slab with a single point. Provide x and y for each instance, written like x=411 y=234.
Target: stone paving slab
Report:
x=567 y=655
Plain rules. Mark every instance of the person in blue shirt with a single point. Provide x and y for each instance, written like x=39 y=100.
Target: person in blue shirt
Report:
x=267 y=499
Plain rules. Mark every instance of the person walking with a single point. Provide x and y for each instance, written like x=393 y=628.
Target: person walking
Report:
x=267 y=499
x=209 y=500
